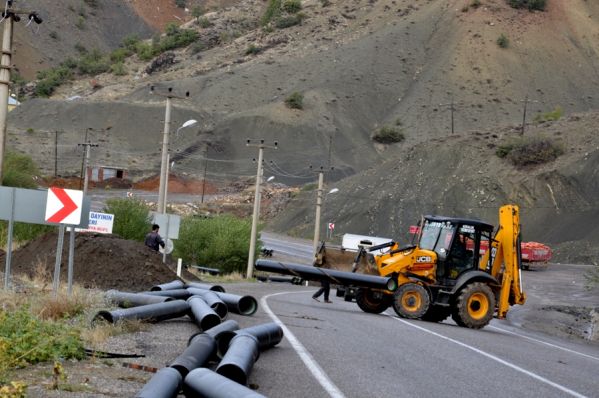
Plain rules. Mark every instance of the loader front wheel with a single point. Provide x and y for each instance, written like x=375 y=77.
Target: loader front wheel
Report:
x=474 y=306
x=411 y=301
x=372 y=301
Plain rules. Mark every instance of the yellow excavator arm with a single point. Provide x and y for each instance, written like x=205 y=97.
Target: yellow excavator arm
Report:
x=504 y=260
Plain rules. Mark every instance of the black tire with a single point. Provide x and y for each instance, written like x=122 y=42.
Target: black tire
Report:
x=411 y=301
x=371 y=301
x=475 y=306
x=436 y=313
x=348 y=296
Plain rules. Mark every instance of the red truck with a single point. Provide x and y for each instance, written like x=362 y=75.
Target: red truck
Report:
x=534 y=254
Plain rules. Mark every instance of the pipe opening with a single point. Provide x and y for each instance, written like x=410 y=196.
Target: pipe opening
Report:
x=247 y=305
x=209 y=321
x=233 y=372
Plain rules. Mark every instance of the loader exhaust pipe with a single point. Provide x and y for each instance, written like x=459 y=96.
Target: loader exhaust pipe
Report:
x=166 y=383
x=239 y=360
x=243 y=305
x=127 y=300
x=149 y=313
x=267 y=334
x=321 y=274
x=203 y=382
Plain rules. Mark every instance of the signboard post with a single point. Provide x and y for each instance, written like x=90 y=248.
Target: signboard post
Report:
x=169 y=225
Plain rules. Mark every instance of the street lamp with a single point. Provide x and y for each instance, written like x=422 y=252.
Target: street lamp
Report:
x=170 y=165
x=318 y=210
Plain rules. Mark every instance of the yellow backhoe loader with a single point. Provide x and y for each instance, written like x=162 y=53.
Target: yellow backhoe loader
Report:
x=446 y=273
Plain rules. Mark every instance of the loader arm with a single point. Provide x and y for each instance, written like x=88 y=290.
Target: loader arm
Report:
x=504 y=260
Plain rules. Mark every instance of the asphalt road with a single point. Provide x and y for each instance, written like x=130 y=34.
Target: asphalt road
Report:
x=336 y=350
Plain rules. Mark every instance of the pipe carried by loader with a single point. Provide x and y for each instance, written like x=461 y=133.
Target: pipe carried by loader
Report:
x=319 y=274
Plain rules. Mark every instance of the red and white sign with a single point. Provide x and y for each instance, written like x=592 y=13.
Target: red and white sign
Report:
x=64 y=206
x=331 y=226
x=414 y=229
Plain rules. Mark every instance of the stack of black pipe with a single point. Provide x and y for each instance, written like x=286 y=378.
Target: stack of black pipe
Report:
x=207 y=306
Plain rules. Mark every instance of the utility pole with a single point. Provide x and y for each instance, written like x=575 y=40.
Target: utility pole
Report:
x=318 y=207
x=204 y=179
x=9 y=15
x=56 y=154
x=526 y=100
x=256 y=214
x=452 y=109
x=87 y=146
x=169 y=95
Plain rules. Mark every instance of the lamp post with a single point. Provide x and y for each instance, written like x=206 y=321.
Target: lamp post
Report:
x=318 y=209
x=169 y=95
x=169 y=165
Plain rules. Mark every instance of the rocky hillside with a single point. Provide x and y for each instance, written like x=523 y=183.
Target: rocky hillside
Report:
x=360 y=65
x=461 y=175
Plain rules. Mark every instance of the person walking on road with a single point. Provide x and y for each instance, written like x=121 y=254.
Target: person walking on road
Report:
x=324 y=288
x=153 y=240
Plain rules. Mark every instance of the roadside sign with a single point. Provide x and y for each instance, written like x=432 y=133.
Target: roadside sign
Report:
x=29 y=206
x=99 y=222
x=331 y=226
x=168 y=247
x=63 y=206
x=169 y=224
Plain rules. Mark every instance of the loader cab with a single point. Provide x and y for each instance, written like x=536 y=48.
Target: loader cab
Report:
x=457 y=243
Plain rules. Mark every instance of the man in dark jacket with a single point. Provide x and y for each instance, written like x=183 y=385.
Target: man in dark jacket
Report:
x=153 y=239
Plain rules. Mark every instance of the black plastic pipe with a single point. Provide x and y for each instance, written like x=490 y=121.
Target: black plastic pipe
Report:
x=321 y=274
x=227 y=326
x=176 y=284
x=239 y=360
x=150 y=313
x=206 y=286
x=212 y=300
x=166 y=383
x=127 y=300
x=201 y=348
x=267 y=334
x=284 y=279
x=243 y=305
x=181 y=294
x=211 y=271
x=205 y=383
x=201 y=313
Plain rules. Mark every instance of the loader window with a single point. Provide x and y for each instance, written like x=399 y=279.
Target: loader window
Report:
x=437 y=236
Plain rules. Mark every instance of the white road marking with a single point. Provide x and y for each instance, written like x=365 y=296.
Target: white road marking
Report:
x=494 y=358
x=313 y=366
x=546 y=343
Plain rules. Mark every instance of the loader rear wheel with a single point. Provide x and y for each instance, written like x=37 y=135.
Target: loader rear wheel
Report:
x=411 y=301
x=436 y=313
x=372 y=301
x=475 y=306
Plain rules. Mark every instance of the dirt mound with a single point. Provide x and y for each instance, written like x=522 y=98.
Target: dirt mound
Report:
x=177 y=184
x=101 y=261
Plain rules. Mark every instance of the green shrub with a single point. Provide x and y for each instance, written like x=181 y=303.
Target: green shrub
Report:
x=181 y=3
x=475 y=3
x=26 y=339
x=204 y=23
x=197 y=12
x=289 y=21
x=388 y=135
x=118 y=69
x=131 y=218
x=527 y=151
x=529 y=4
x=80 y=48
x=80 y=24
x=145 y=51
x=197 y=47
x=292 y=6
x=503 y=41
x=92 y=3
x=50 y=79
x=93 y=63
x=273 y=11
x=130 y=42
x=220 y=242
x=295 y=100
x=19 y=171
x=120 y=54
x=253 y=49
x=552 y=116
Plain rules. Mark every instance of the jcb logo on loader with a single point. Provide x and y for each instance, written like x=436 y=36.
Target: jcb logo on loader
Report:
x=424 y=259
